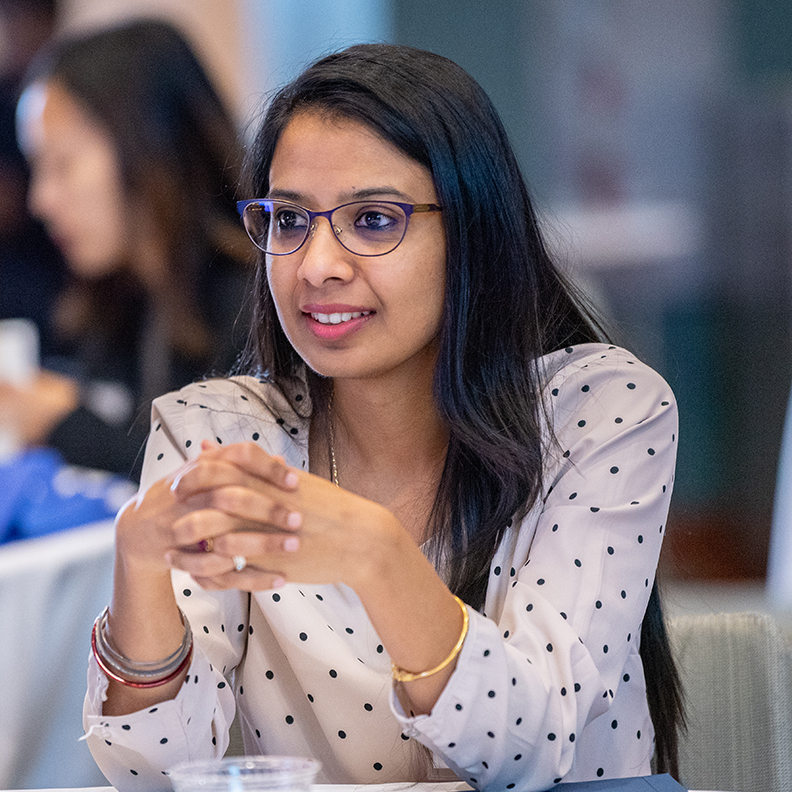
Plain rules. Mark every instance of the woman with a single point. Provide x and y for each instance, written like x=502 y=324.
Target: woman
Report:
x=424 y=534
x=133 y=161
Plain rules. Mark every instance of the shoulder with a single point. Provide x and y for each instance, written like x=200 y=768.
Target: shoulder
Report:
x=230 y=410
x=590 y=383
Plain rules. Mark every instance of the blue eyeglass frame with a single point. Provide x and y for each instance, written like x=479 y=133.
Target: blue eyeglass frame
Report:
x=408 y=209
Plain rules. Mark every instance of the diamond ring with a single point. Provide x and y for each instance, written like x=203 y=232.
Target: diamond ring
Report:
x=240 y=562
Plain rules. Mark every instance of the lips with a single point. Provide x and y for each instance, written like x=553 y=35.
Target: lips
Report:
x=334 y=322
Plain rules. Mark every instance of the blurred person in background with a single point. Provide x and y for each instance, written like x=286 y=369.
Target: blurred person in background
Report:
x=133 y=164
x=31 y=269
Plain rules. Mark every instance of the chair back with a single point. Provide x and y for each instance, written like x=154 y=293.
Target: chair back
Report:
x=51 y=590
x=736 y=669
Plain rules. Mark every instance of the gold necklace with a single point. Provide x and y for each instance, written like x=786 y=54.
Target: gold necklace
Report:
x=331 y=438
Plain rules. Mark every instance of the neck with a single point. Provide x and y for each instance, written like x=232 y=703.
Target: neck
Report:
x=385 y=435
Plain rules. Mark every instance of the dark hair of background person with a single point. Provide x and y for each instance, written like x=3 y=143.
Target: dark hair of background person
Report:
x=506 y=305
x=179 y=157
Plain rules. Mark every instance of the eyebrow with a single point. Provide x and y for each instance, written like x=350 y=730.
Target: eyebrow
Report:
x=356 y=195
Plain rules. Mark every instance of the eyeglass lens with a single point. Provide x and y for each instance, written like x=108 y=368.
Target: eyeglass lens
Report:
x=364 y=228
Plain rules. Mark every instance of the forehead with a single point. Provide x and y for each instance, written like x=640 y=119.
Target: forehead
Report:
x=49 y=114
x=320 y=154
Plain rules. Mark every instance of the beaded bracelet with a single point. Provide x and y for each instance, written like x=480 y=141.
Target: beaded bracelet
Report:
x=400 y=674
x=139 y=674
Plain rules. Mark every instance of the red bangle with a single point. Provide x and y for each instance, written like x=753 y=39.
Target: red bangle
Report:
x=153 y=683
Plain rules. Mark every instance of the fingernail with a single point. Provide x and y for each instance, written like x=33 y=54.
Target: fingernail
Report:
x=294 y=520
x=291 y=543
x=291 y=479
x=278 y=582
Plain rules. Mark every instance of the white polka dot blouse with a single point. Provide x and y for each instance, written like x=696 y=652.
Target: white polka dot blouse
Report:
x=549 y=684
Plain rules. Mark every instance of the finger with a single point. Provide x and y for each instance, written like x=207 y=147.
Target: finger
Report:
x=197 y=526
x=207 y=473
x=256 y=546
x=246 y=508
x=256 y=461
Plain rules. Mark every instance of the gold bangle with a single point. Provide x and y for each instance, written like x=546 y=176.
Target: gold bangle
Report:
x=400 y=674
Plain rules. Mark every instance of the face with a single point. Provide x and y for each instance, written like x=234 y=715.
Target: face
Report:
x=390 y=306
x=75 y=187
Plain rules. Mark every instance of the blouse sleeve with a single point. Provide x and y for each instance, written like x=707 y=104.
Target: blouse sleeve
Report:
x=556 y=654
x=134 y=751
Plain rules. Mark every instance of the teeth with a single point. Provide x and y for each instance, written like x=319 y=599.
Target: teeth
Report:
x=337 y=318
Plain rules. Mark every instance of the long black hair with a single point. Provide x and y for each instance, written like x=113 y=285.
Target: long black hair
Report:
x=506 y=305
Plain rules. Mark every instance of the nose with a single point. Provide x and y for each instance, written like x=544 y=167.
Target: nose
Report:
x=323 y=256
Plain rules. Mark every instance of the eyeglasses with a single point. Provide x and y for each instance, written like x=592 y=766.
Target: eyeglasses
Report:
x=365 y=228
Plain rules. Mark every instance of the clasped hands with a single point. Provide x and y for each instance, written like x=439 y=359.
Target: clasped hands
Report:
x=290 y=526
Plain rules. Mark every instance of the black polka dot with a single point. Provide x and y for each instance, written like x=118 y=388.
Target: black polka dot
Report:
x=380 y=648
x=163 y=740
x=458 y=706
x=159 y=456
x=577 y=687
x=605 y=649
x=497 y=570
x=303 y=636
x=585 y=389
x=126 y=727
x=639 y=734
x=600 y=772
x=491 y=694
x=491 y=735
x=349 y=630
x=368 y=707
x=618 y=420
x=333 y=673
x=289 y=720
x=640 y=539
x=631 y=385
x=597 y=604
x=626 y=677
x=529 y=607
x=571 y=738
x=310 y=698
x=134 y=772
x=595 y=509
x=276 y=597
x=188 y=444
x=342 y=734
x=549 y=647
x=614 y=724
x=540 y=582
x=241 y=628
x=255 y=436
x=563 y=691
x=623 y=594
x=486 y=653
x=573 y=496
x=206 y=629
x=187 y=593
x=650 y=451
x=518 y=722
x=258 y=734
x=551 y=736
x=269 y=675
x=578 y=563
x=610 y=551
x=581 y=424
x=377 y=766
x=221 y=685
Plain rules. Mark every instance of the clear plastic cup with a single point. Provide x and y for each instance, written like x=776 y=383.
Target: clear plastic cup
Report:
x=246 y=774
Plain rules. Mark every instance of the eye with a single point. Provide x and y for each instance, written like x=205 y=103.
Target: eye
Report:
x=290 y=220
x=378 y=218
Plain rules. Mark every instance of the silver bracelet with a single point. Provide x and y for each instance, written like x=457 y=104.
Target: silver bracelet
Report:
x=134 y=670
